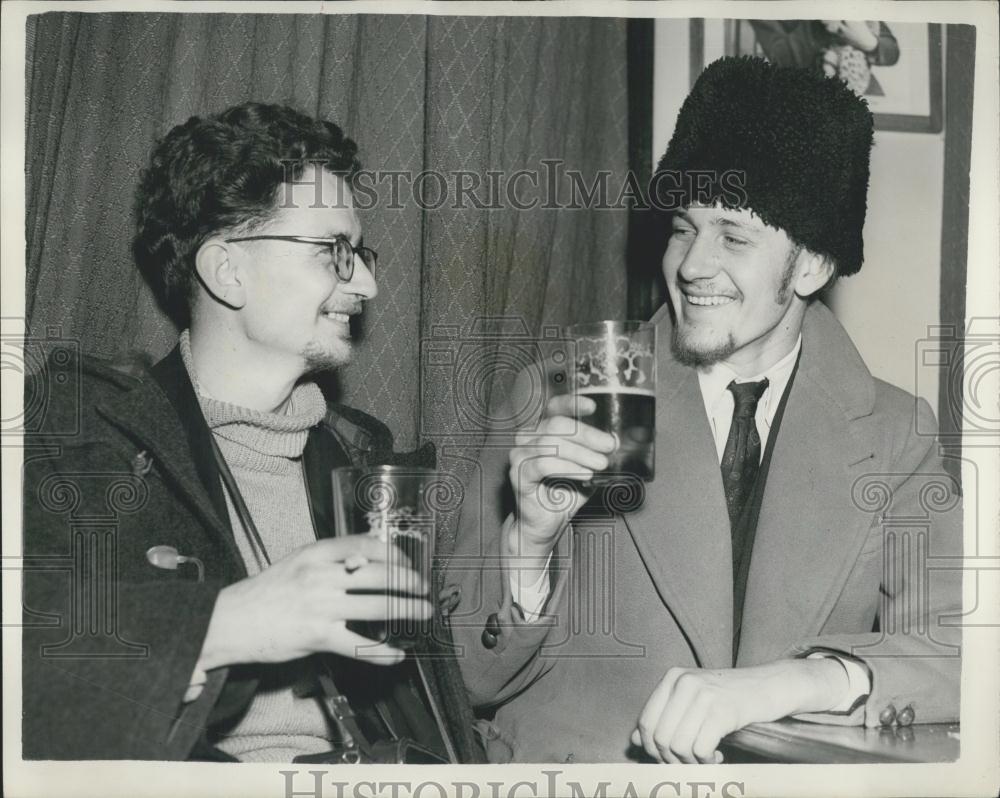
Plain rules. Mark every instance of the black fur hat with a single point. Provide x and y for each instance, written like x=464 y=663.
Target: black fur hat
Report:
x=800 y=140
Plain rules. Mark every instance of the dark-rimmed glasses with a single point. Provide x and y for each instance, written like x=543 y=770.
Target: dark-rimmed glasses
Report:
x=341 y=250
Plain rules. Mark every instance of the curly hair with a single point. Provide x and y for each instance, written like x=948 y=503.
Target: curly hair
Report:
x=221 y=172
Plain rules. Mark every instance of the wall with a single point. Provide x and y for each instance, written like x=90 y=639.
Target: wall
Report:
x=888 y=306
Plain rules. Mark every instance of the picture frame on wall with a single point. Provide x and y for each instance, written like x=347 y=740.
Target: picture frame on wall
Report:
x=896 y=67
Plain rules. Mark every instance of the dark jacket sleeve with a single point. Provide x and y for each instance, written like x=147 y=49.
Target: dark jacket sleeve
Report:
x=109 y=642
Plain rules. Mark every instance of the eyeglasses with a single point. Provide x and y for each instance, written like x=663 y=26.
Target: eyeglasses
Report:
x=341 y=250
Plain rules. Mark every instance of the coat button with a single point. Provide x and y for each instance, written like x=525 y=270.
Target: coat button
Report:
x=887 y=715
x=493 y=624
x=489 y=639
x=906 y=715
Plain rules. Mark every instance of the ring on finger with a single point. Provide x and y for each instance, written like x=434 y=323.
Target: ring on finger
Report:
x=354 y=563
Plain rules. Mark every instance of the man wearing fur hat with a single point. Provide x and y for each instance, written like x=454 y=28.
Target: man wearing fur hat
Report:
x=763 y=576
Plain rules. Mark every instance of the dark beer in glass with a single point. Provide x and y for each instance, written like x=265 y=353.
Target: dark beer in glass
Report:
x=615 y=366
x=631 y=416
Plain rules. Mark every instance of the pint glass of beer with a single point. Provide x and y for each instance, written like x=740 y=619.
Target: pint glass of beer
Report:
x=615 y=365
x=395 y=505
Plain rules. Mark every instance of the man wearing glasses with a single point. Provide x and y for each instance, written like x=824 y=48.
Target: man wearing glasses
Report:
x=231 y=594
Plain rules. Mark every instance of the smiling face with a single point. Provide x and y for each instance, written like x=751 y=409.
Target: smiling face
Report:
x=737 y=287
x=295 y=308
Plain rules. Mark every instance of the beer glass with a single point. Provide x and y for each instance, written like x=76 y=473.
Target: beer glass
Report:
x=615 y=365
x=395 y=505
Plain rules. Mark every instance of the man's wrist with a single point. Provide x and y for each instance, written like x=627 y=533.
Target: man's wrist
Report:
x=519 y=543
x=859 y=681
x=828 y=684
x=212 y=654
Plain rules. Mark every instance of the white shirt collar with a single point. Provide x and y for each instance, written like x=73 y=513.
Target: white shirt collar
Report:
x=714 y=380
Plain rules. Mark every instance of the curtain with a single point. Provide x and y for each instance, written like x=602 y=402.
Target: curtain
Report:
x=417 y=93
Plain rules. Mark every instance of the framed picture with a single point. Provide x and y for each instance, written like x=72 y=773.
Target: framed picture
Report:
x=895 y=66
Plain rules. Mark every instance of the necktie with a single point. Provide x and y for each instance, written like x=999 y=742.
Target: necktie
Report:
x=741 y=457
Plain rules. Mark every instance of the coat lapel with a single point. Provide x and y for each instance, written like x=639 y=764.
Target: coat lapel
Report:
x=809 y=530
x=163 y=415
x=682 y=530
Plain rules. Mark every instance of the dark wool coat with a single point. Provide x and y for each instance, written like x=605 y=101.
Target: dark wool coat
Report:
x=110 y=640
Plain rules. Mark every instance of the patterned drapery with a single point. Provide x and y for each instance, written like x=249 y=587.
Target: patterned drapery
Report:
x=417 y=93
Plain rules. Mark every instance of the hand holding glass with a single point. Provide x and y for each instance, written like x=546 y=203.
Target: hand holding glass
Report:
x=615 y=366
x=393 y=504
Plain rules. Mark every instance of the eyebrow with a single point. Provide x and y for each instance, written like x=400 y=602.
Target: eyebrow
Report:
x=722 y=221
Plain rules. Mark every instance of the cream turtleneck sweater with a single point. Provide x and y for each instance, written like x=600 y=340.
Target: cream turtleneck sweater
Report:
x=264 y=453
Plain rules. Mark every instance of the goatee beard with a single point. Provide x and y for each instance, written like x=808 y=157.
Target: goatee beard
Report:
x=686 y=353
x=319 y=359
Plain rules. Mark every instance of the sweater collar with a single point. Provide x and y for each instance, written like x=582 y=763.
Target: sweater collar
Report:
x=260 y=433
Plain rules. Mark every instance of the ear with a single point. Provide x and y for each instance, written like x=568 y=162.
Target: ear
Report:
x=813 y=272
x=219 y=273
